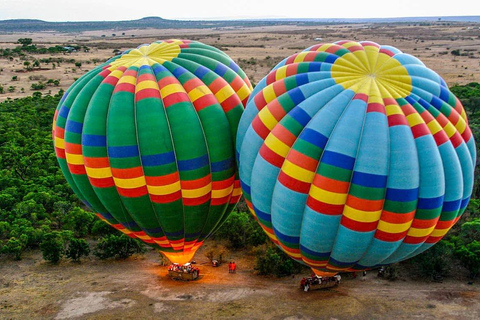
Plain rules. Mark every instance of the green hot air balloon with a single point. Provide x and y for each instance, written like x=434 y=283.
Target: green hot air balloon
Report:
x=146 y=140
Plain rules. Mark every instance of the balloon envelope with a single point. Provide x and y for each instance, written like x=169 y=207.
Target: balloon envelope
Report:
x=354 y=155
x=147 y=141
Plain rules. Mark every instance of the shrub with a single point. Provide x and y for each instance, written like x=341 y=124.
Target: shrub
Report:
x=77 y=248
x=270 y=260
x=241 y=230
x=14 y=247
x=52 y=247
x=119 y=247
x=469 y=256
x=436 y=261
x=101 y=228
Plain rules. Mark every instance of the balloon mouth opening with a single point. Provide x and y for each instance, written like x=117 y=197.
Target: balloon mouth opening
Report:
x=181 y=257
x=322 y=273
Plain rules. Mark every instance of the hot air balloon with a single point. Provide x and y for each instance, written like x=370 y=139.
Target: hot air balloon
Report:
x=354 y=155
x=146 y=140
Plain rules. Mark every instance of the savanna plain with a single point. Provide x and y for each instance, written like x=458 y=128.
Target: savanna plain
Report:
x=138 y=287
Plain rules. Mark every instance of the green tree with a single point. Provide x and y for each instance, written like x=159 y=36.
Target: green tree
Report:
x=25 y=41
x=117 y=246
x=469 y=255
x=52 y=247
x=77 y=248
x=14 y=247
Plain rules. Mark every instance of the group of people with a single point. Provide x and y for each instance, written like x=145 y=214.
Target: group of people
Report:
x=187 y=268
x=232 y=267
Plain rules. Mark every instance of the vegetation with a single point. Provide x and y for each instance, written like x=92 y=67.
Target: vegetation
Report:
x=118 y=246
x=39 y=211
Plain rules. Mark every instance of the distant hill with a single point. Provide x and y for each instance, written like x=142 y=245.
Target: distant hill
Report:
x=32 y=25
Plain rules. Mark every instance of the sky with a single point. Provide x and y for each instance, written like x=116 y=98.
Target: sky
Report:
x=99 y=10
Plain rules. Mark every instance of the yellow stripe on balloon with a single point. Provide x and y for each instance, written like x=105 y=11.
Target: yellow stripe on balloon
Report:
x=297 y=172
x=116 y=73
x=269 y=93
x=449 y=129
x=281 y=73
x=439 y=232
x=360 y=215
x=147 y=84
x=416 y=232
x=59 y=143
x=327 y=196
x=276 y=145
x=460 y=125
x=434 y=126
x=164 y=190
x=392 y=109
x=130 y=183
x=170 y=89
x=224 y=93
x=237 y=192
x=300 y=57
x=127 y=79
x=74 y=158
x=267 y=118
x=243 y=92
x=198 y=92
x=393 y=227
x=414 y=119
x=195 y=193
x=99 y=173
x=222 y=192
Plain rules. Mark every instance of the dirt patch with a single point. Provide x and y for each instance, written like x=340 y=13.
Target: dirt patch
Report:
x=91 y=302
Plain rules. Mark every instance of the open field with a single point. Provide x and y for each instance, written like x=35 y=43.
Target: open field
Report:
x=257 y=49
x=139 y=288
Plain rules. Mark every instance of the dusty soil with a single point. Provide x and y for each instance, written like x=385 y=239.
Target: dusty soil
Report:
x=263 y=47
x=140 y=288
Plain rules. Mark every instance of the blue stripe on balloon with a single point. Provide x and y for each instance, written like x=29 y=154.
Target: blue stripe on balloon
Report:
x=222 y=165
x=262 y=215
x=234 y=66
x=444 y=94
x=159 y=68
x=465 y=202
x=178 y=72
x=201 y=72
x=401 y=195
x=123 y=151
x=192 y=235
x=158 y=159
x=338 y=160
x=174 y=234
x=245 y=187
x=193 y=164
x=339 y=263
x=285 y=238
x=296 y=95
x=220 y=69
x=331 y=58
x=144 y=67
x=430 y=203
x=369 y=180
x=130 y=224
x=64 y=110
x=94 y=140
x=302 y=79
x=300 y=115
x=314 y=66
x=322 y=255
x=451 y=205
x=314 y=137
x=73 y=126
x=154 y=230
x=436 y=102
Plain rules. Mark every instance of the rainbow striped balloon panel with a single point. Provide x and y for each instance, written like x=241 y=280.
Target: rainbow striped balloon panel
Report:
x=354 y=155
x=147 y=140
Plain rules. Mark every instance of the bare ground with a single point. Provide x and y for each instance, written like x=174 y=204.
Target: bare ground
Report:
x=140 y=288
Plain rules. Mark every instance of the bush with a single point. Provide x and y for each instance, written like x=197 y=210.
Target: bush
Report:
x=435 y=262
x=38 y=86
x=217 y=252
x=270 y=260
x=469 y=256
x=52 y=247
x=241 y=230
x=14 y=247
x=77 y=248
x=119 y=247
x=101 y=228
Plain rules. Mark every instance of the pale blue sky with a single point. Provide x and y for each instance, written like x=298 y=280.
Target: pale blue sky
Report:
x=84 y=10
